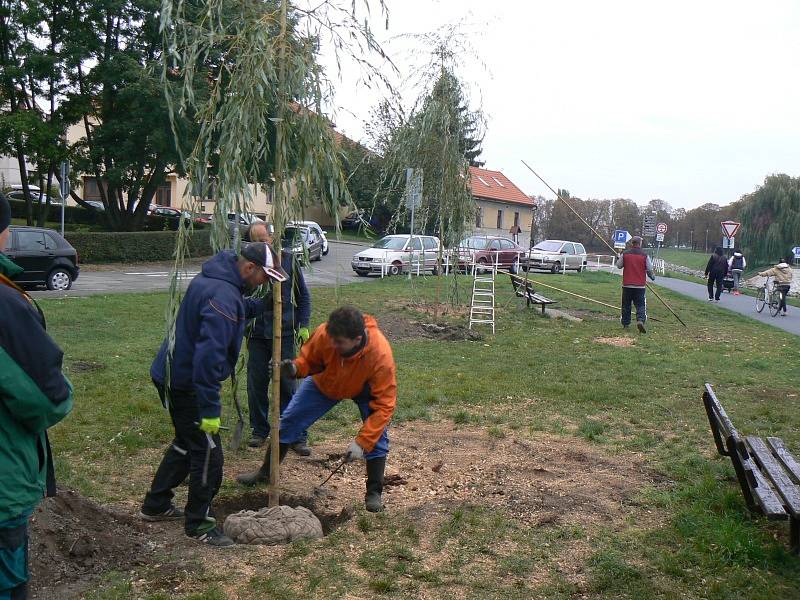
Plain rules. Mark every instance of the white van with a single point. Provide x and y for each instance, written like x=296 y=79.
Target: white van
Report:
x=393 y=254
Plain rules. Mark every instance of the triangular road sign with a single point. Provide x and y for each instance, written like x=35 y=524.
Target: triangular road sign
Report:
x=729 y=228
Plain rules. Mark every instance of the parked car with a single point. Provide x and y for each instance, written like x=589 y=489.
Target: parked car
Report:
x=313 y=226
x=47 y=258
x=96 y=204
x=353 y=220
x=555 y=256
x=396 y=253
x=165 y=211
x=490 y=249
x=303 y=242
x=17 y=193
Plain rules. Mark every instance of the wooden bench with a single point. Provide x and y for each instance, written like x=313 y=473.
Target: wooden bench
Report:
x=767 y=472
x=524 y=289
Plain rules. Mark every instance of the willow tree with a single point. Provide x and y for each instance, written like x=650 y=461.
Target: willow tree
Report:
x=439 y=138
x=248 y=72
x=770 y=219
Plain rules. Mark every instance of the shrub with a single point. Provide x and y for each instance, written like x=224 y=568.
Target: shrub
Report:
x=134 y=246
x=72 y=214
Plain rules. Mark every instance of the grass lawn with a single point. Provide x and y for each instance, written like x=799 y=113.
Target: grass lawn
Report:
x=681 y=528
x=685 y=258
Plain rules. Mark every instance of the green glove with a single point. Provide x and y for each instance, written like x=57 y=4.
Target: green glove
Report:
x=303 y=335
x=210 y=425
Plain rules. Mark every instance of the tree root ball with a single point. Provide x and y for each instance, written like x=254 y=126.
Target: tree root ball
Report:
x=270 y=526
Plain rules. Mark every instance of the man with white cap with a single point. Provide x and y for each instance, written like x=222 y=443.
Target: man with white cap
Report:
x=208 y=336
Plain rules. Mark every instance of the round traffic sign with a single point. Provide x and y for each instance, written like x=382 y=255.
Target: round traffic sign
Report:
x=661 y=228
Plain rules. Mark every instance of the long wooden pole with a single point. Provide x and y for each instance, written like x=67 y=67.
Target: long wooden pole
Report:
x=278 y=217
x=601 y=238
x=552 y=287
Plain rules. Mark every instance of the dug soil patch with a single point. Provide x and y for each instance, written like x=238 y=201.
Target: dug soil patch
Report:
x=619 y=342
x=402 y=327
x=73 y=541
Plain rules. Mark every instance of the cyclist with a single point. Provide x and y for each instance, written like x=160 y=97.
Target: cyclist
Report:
x=782 y=273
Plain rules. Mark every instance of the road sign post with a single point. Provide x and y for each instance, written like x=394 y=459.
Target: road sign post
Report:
x=649 y=225
x=621 y=238
x=729 y=228
x=413 y=200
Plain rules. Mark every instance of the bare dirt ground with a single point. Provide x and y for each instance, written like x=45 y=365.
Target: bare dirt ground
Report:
x=619 y=342
x=537 y=480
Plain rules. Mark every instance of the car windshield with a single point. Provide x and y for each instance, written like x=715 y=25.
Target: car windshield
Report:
x=293 y=235
x=391 y=243
x=548 y=246
x=475 y=243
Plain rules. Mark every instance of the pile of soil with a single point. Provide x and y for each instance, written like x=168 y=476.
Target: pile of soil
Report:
x=399 y=327
x=74 y=540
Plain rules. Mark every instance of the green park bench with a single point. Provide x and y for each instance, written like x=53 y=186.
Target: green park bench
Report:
x=524 y=289
x=767 y=472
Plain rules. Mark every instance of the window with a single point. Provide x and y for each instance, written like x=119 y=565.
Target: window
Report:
x=516 y=219
x=507 y=245
x=30 y=241
x=499 y=219
x=390 y=243
x=569 y=249
x=495 y=245
x=498 y=182
x=581 y=249
x=91 y=190
x=163 y=195
x=479 y=217
x=548 y=246
x=483 y=181
x=416 y=244
x=429 y=243
x=50 y=242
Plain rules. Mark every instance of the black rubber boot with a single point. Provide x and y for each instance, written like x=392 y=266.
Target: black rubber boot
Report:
x=261 y=475
x=375 y=469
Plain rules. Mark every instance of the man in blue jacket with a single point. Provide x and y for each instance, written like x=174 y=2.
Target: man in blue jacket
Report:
x=208 y=336
x=34 y=395
x=294 y=326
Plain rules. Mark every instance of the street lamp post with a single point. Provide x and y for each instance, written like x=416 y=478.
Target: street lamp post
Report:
x=706 y=239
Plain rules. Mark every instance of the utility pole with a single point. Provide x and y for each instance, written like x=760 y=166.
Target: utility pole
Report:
x=706 y=246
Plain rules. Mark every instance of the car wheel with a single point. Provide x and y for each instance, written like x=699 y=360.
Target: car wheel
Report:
x=325 y=252
x=515 y=267
x=435 y=270
x=580 y=269
x=59 y=280
x=395 y=268
x=555 y=268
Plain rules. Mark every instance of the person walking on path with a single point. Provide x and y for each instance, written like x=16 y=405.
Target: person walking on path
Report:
x=636 y=266
x=716 y=269
x=736 y=265
x=208 y=335
x=34 y=395
x=347 y=357
x=296 y=301
x=782 y=272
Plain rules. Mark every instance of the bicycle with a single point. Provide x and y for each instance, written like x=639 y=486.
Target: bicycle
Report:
x=768 y=295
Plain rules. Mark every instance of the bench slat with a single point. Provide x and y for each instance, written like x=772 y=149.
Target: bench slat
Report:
x=767 y=499
x=785 y=458
x=722 y=419
x=775 y=473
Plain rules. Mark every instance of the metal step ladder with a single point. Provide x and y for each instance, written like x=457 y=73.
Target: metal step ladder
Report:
x=482 y=308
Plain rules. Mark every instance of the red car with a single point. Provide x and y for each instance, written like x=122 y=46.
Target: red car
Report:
x=490 y=249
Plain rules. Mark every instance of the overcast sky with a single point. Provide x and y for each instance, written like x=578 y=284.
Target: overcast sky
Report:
x=687 y=101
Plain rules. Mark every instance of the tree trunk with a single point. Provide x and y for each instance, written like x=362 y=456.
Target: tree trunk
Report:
x=278 y=216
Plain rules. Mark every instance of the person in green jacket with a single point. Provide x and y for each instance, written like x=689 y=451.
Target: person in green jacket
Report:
x=34 y=395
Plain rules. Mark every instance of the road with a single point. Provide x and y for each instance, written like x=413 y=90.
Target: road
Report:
x=744 y=305
x=332 y=269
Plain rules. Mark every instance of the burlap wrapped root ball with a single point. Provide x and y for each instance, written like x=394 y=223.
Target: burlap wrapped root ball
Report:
x=270 y=526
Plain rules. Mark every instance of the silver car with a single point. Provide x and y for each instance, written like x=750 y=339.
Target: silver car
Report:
x=393 y=254
x=555 y=256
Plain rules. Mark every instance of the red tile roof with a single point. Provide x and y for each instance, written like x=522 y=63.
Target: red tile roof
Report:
x=493 y=185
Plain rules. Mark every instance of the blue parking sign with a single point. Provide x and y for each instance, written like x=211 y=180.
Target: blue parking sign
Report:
x=621 y=236
x=796 y=251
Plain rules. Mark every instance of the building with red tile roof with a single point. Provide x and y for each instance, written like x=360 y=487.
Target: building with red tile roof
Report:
x=501 y=206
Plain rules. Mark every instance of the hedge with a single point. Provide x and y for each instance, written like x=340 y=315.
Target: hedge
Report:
x=132 y=247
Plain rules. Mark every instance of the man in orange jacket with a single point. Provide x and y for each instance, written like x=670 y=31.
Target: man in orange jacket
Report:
x=347 y=357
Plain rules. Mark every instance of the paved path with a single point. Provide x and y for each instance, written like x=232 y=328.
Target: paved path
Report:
x=331 y=270
x=745 y=305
